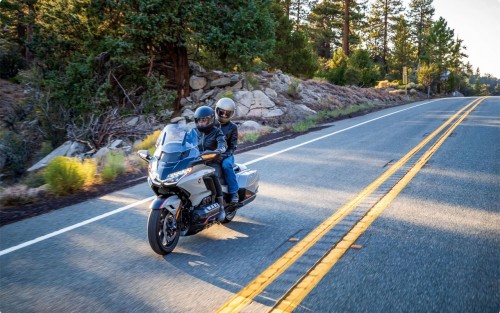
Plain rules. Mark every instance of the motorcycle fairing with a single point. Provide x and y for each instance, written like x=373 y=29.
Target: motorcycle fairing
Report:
x=172 y=204
x=176 y=149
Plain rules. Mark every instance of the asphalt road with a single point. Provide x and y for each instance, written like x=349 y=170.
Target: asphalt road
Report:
x=434 y=248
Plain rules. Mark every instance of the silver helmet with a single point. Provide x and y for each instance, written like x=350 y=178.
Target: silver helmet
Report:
x=224 y=110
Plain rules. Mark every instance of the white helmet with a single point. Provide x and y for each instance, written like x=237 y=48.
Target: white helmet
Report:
x=224 y=110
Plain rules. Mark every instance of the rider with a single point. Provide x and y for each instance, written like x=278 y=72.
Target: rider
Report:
x=211 y=138
x=224 y=111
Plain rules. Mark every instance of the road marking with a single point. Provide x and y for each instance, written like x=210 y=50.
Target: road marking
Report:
x=66 y=229
x=334 y=133
x=255 y=287
x=294 y=296
x=36 y=240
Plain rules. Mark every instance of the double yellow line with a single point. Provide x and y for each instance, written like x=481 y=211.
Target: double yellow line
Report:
x=299 y=291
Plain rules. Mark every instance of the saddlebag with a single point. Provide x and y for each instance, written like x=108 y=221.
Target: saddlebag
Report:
x=248 y=180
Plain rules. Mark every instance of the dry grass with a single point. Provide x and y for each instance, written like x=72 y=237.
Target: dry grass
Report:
x=21 y=194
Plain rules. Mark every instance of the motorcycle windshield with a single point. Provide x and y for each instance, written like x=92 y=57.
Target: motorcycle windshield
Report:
x=176 y=148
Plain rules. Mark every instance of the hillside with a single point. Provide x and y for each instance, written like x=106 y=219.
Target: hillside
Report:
x=274 y=102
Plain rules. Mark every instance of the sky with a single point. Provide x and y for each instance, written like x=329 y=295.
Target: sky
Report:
x=477 y=23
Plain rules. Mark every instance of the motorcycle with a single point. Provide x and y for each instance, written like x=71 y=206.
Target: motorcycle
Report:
x=185 y=191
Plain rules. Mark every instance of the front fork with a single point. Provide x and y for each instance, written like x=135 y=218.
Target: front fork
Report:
x=172 y=205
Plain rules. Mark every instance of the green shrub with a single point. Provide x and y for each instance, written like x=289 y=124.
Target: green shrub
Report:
x=157 y=97
x=228 y=94
x=294 y=54
x=89 y=168
x=34 y=180
x=336 y=67
x=10 y=59
x=293 y=87
x=304 y=125
x=248 y=137
x=252 y=81
x=361 y=70
x=45 y=149
x=114 y=166
x=149 y=142
x=65 y=175
x=17 y=150
x=258 y=65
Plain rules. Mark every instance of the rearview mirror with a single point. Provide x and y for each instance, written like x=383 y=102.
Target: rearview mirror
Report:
x=144 y=154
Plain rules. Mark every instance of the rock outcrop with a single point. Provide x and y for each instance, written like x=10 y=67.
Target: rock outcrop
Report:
x=265 y=102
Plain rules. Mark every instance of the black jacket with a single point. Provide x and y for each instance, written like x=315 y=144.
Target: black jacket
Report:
x=212 y=140
x=230 y=131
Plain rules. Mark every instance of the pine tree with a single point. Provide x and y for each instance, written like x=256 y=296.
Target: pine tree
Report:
x=477 y=83
x=403 y=51
x=496 y=91
x=337 y=67
x=292 y=53
x=440 y=43
x=335 y=23
x=298 y=10
x=360 y=69
x=323 y=28
x=353 y=21
x=347 y=25
x=100 y=57
x=236 y=32
x=420 y=19
x=425 y=74
x=381 y=22
x=456 y=81
x=17 y=19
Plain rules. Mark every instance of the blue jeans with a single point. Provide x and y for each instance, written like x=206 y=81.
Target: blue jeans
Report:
x=229 y=175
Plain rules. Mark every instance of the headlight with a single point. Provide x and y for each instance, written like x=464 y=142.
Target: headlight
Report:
x=174 y=177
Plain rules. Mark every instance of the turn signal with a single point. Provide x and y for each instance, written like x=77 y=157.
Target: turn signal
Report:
x=208 y=156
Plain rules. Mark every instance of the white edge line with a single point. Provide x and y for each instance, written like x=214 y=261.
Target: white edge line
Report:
x=334 y=133
x=66 y=229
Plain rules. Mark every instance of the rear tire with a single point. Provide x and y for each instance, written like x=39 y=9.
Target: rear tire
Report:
x=163 y=234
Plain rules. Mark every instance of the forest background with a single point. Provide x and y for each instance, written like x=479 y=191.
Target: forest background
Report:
x=86 y=63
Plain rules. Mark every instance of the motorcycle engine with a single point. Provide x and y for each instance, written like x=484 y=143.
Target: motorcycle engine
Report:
x=201 y=214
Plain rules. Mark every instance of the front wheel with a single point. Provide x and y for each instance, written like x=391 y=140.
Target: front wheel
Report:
x=163 y=234
x=229 y=216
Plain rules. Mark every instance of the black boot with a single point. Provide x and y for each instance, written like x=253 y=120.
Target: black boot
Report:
x=222 y=213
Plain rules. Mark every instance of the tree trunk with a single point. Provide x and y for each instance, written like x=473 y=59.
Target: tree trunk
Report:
x=21 y=31
x=179 y=57
x=386 y=26
x=287 y=8
x=29 y=31
x=420 y=30
x=345 y=34
x=299 y=5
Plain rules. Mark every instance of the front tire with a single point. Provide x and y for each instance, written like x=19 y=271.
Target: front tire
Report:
x=229 y=216
x=163 y=234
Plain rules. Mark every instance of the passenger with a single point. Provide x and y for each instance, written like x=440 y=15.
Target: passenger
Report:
x=224 y=111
